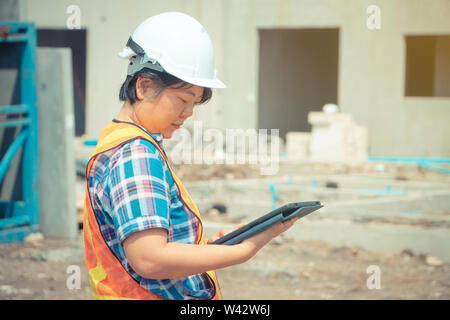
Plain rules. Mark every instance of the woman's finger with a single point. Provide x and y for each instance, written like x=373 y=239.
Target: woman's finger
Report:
x=283 y=226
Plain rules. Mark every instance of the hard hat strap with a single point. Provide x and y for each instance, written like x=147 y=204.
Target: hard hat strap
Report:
x=141 y=60
x=135 y=47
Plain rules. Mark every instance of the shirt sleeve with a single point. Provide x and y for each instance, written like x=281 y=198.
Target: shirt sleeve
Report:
x=139 y=192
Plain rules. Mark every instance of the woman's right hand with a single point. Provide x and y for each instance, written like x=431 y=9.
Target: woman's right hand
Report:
x=259 y=240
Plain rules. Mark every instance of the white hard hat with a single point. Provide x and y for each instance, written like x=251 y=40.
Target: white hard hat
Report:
x=176 y=43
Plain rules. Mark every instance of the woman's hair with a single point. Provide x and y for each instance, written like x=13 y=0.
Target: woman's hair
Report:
x=160 y=82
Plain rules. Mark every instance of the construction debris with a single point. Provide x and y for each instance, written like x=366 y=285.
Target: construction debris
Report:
x=34 y=238
x=334 y=137
x=433 y=261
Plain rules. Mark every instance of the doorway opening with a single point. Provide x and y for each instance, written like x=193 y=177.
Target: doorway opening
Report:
x=298 y=73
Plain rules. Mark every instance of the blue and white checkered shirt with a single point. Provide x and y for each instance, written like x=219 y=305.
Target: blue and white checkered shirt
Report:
x=131 y=190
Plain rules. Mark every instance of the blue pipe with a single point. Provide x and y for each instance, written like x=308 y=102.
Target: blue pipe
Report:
x=19 y=108
x=422 y=162
x=274 y=196
x=12 y=150
x=15 y=38
x=434 y=168
x=406 y=159
x=91 y=142
x=17 y=123
x=289 y=179
x=9 y=223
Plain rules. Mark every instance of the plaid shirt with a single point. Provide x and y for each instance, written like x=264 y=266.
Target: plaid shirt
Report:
x=132 y=190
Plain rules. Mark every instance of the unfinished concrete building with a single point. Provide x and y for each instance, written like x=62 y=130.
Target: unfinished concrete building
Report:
x=385 y=63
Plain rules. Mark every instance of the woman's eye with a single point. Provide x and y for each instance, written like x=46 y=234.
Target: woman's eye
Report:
x=184 y=101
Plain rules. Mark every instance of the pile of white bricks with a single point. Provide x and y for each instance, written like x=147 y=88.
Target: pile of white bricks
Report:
x=334 y=138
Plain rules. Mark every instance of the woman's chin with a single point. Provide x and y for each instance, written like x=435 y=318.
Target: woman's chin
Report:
x=168 y=134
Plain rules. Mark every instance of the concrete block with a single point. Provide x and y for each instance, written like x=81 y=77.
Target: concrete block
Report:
x=335 y=137
x=323 y=118
x=297 y=145
x=340 y=141
x=357 y=147
x=56 y=143
x=328 y=142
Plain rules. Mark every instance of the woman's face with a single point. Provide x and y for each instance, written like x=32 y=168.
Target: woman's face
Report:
x=167 y=112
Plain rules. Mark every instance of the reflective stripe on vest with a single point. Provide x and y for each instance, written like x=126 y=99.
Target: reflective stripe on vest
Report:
x=109 y=280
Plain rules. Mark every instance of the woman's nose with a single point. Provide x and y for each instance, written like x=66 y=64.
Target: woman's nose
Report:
x=187 y=112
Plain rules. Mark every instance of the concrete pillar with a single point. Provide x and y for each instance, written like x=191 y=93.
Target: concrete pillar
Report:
x=56 y=142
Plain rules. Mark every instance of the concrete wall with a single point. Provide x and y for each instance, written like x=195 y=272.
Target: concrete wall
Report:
x=442 y=68
x=371 y=66
x=371 y=79
x=398 y=125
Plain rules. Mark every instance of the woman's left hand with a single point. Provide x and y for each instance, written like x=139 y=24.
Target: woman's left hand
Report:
x=224 y=232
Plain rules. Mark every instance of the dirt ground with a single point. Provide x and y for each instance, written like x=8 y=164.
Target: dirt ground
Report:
x=284 y=269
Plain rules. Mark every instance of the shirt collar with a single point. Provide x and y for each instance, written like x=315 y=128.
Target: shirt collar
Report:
x=157 y=136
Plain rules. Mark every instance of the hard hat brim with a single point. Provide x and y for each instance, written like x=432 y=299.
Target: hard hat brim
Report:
x=127 y=53
x=207 y=83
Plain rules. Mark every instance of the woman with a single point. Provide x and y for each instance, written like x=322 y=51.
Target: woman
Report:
x=143 y=234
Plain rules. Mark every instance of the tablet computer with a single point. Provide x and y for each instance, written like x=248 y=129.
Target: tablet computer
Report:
x=291 y=210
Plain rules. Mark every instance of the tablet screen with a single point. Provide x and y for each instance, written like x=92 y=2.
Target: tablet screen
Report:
x=284 y=213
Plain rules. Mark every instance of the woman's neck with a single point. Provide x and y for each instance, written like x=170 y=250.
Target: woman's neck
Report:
x=127 y=113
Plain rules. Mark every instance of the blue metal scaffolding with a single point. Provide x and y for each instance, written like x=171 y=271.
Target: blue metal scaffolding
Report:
x=19 y=218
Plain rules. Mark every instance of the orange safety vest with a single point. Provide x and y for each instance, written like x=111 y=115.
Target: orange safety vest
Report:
x=109 y=279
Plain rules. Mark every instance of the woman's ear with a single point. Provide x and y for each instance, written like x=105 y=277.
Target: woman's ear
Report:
x=142 y=87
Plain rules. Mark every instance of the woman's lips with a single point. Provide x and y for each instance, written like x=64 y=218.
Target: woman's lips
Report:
x=176 y=125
